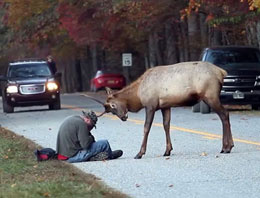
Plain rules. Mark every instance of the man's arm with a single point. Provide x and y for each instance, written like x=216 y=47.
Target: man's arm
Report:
x=84 y=136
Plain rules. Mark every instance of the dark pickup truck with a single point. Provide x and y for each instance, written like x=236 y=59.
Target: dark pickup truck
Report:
x=242 y=84
x=30 y=82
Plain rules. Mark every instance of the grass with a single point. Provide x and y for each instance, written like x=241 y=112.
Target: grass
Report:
x=22 y=176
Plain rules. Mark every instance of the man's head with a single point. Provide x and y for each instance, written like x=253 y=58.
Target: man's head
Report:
x=49 y=58
x=90 y=118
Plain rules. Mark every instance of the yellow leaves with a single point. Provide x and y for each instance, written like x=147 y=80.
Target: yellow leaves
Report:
x=253 y=4
x=22 y=10
x=13 y=185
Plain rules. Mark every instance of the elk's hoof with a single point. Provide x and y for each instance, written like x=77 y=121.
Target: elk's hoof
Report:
x=167 y=154
x=138 y=156
x=225 y=151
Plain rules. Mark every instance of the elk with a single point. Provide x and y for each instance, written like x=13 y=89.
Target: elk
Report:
x=163 y=87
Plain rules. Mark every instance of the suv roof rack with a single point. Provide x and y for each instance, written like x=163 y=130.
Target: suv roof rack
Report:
x=27 y=60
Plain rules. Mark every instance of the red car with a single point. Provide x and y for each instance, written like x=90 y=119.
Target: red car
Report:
x=109 y=79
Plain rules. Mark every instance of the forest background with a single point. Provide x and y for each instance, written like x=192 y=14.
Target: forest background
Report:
x=84 y=36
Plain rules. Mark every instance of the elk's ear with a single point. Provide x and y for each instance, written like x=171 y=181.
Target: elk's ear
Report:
x=109 y=91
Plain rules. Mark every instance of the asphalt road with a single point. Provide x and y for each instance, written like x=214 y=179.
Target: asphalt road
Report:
x=195 y=168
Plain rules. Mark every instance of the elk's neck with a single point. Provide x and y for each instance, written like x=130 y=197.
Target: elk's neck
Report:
x=129 y=94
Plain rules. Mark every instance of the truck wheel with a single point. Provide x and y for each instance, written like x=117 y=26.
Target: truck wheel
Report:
x=6 y=107
x=255 y=107
x=196 y=108
x=204 y=108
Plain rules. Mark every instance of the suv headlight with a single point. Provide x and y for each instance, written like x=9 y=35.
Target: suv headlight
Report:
x=12 y=89
x=51 y=86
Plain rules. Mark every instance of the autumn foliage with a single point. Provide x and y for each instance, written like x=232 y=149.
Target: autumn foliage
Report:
x=113 y=25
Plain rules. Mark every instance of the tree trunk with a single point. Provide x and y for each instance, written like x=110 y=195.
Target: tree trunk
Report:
x=203 y=30
x=183 y=42
x=258 y=32
x=251 y=32
x=70 y=80
x=215 y=37
x=94 y=57
x=155 y=55
x=194 y=36
x=171 y=52
x=152 y=53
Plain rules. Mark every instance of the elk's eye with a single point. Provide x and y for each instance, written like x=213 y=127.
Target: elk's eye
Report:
x=113 y=106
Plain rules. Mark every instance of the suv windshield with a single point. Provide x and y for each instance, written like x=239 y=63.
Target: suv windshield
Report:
x=222 y=57
x=29 y=70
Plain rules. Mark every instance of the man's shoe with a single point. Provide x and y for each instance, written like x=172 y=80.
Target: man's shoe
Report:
x=99 y=157
x=116 y=154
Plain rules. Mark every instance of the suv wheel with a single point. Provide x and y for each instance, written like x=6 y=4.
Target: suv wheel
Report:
x=55 y=106
x=204 y=108
x=255 y=107
x=6 y=107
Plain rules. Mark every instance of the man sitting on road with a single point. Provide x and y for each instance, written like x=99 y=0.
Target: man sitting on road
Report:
x=75 y=143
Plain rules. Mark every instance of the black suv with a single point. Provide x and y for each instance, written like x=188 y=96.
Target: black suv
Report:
x=28 y=83
x=242 y=84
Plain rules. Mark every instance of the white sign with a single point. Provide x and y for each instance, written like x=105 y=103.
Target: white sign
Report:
x=127 y=59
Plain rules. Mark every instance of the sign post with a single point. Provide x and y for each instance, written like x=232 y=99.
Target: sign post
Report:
x=127 y=63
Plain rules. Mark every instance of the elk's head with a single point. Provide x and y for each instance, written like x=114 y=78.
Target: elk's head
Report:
x=116 y=106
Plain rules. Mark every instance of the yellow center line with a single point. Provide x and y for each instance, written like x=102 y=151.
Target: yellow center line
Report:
x=204 y=134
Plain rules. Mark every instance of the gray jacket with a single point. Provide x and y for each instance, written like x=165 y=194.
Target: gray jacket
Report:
x=73 y=136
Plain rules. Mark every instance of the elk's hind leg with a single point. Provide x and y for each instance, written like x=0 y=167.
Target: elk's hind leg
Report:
x=227 y=140
x=166 y=113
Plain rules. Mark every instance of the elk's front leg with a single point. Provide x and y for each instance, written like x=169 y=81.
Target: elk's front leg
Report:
x=166 y=124
x=147 y=126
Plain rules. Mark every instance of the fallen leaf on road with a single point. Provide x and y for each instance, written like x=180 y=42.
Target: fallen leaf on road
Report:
x=203 y=154
x=46 y=194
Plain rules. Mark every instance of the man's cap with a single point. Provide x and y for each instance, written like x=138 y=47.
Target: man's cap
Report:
x=92 y=116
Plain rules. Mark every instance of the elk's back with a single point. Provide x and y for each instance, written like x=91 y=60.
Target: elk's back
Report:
x=173 y=85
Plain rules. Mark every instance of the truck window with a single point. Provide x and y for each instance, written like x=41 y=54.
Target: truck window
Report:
x=233 y=56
